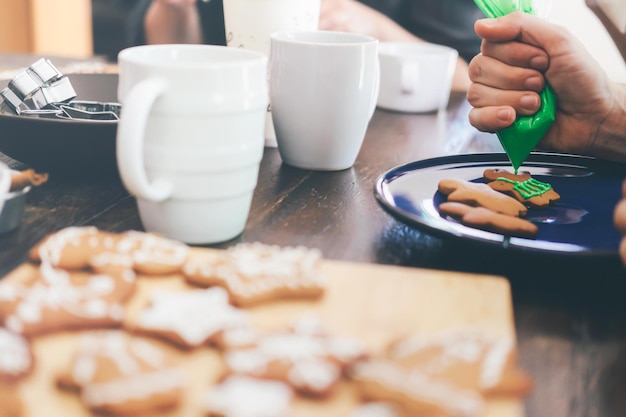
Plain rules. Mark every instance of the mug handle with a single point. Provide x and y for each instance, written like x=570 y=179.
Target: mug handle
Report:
x=130 y=139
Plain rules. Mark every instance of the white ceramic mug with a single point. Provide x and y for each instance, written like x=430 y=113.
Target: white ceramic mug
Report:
x=190 y=137
x=249 y=24
x=323 y=90
x=415 y=77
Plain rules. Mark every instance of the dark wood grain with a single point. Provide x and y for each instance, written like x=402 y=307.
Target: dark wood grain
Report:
x=569 y=311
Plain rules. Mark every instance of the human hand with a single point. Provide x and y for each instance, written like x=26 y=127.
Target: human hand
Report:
x=519 y=53
x=172 y=21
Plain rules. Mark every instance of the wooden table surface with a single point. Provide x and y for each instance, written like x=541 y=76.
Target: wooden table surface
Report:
x=570 y=314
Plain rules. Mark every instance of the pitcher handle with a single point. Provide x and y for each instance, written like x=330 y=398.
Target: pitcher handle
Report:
x=130 y=142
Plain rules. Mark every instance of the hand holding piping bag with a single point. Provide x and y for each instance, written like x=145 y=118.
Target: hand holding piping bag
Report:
x=519 y=139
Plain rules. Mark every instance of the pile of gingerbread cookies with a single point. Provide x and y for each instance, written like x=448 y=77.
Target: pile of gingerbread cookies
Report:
x=499 y=204
x=84 y=278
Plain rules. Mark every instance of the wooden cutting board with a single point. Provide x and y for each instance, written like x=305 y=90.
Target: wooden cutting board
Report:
x=375 y=303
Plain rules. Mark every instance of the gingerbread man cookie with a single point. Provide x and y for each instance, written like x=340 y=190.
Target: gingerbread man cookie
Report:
x=469 y=358
x=243 y=396
x=123 y=375
x=311 y=362
x=255 y=272
x=52 y=299
x=480 y=195
x=491 y=221
x=522 y=186
x=384 y=380
x=190 y=318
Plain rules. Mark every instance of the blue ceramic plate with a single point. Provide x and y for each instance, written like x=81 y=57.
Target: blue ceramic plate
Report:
x=581 y=222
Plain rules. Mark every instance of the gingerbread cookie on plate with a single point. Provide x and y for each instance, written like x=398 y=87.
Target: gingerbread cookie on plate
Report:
x=488 y=220
x=480 y=195
x=522 y=186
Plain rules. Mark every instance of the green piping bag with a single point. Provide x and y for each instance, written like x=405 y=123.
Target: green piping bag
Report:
x=519 y=139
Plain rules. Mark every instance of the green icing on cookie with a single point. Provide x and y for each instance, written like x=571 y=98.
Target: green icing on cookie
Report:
x=529 y=188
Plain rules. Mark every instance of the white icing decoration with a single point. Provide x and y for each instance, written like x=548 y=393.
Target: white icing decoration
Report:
x=15 y=356
x=375 y=409
x=494 y=362
x=194 y=315
x=148 y=248
x=240 y=396
x=315 y=374
x=52 y=249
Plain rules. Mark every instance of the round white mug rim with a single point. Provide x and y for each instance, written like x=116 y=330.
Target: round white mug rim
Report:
x=147 y=55
x=326 y=38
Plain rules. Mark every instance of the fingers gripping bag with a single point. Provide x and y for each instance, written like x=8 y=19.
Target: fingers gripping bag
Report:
x=519 y=139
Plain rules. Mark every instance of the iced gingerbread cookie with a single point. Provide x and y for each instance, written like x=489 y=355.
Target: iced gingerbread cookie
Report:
x=54 y=299
x=522 y=186
x=384 y=380
x=309 y=361
x=480 y=195
x=468 y=358
x=491 y=221
x=242 y=396
x=16 y=357
x=123 y=375
x=10 y=401
x=190 y=318
x=253 y=273
x=82 y=247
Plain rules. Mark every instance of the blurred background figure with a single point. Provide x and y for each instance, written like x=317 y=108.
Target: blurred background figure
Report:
x=177 y=21
x=445 y=22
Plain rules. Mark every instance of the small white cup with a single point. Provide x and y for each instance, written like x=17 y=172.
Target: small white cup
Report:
x=415 y=77
x=323 y=90
x=190 y=137
x=249 y=24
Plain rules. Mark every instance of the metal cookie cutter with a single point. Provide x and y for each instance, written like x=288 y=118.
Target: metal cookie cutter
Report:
x=92 y=110
x=40 y=86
